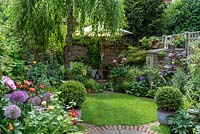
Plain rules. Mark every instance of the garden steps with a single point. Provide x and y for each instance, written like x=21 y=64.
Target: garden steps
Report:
x=119 y=129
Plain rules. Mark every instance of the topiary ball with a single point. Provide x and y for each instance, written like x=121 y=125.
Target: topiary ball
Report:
x=72 y=91
x=168 y=98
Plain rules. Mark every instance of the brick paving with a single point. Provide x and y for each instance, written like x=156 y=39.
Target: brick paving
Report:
x=119 y=129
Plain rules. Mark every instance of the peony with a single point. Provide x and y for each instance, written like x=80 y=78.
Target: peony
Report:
x=12 y=112
x=8 y=82
x=18 y=97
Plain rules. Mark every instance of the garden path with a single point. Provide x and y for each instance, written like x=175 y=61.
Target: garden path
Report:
x=119 y=129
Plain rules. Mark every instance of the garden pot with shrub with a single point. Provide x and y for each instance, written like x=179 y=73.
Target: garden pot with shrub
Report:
x=168 y=100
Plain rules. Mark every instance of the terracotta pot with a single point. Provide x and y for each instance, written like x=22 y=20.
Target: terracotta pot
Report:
x=161 y=45
x=89 y=91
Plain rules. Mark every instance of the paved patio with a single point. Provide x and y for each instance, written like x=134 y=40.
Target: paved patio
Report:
x=120 y=129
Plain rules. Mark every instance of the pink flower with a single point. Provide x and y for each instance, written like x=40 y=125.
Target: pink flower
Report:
x=8 y=82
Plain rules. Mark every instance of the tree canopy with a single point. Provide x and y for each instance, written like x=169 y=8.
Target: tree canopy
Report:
x=183 y=15
x=39 y=20
x=145 y=17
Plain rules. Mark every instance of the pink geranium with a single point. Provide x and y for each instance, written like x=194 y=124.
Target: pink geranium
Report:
x=8 y=82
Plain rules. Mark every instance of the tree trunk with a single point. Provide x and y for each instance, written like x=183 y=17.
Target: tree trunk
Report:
x=68 y=44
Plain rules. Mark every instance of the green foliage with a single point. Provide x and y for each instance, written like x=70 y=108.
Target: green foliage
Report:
x=168 y=98
x=134 y=55
x=92 y=84
x=93 y=55
x=181 y=123
x=139 y=88
x=49 y=74
x=72 y=91
x=178 y=40
x=11 y=53
x=161 y=54
x=54 y=121
x=79 y=72
x=192 y=86
x=145 y=17
x=149 y=43
x=183 y=15
x=151 y=93
x=179 y=80
x=117 y=76
x=37 y=22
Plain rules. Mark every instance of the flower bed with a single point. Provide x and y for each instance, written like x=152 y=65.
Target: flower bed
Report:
x=29 y=108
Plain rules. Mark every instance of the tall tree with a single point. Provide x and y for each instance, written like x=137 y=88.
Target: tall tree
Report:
x=37 y=20
x=183 y=15
x=144 y=17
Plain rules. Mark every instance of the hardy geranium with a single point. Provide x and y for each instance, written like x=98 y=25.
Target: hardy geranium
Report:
x=47 y=96
x=36 y=101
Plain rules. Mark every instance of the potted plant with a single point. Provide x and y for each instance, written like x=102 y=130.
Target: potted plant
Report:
x=161 y=54
x=178 y=41
x=168 y=100
x=151 y=42
x=90 y=85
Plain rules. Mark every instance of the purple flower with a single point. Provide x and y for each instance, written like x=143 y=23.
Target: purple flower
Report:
x=18 y=97
x=36 y=101
x=7 y=96
x=8 y=82
x=39 y=108
x=12 y=112
x=142 y=78
x=47 y=96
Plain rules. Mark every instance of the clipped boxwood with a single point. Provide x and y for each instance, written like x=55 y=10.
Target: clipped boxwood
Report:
x=72 y=91
x=168 y=98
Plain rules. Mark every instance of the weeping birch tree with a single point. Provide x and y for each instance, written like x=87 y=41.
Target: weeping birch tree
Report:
x=38 y=21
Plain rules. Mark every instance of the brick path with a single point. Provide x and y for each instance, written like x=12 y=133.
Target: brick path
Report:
x=119 y=129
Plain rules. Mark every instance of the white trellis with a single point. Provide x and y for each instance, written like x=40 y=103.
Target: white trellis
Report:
x=188 y=36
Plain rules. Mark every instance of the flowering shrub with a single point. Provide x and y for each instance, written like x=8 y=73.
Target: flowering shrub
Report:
x=28 y=109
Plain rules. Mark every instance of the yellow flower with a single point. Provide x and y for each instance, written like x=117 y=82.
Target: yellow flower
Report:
x=34 y=62
x=50 y=108
x=44 y=103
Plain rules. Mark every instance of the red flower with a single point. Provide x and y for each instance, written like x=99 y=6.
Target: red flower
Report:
x=18 y=85
x=73 y=113
x=32 y=90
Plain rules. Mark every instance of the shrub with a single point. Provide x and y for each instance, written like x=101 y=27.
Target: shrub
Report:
x=179 y=79
x=139 y=88
x=45 y=73
x=117 y=76
x=72 y=91
x=168 y=98
x=79 y=72
x=134 y=55
x=90 y=84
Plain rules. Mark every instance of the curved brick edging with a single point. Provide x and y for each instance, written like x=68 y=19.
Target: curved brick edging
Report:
x=120 y=129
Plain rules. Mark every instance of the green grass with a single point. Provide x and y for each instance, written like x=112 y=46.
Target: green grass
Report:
x=161 y=129
x=118 y=109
